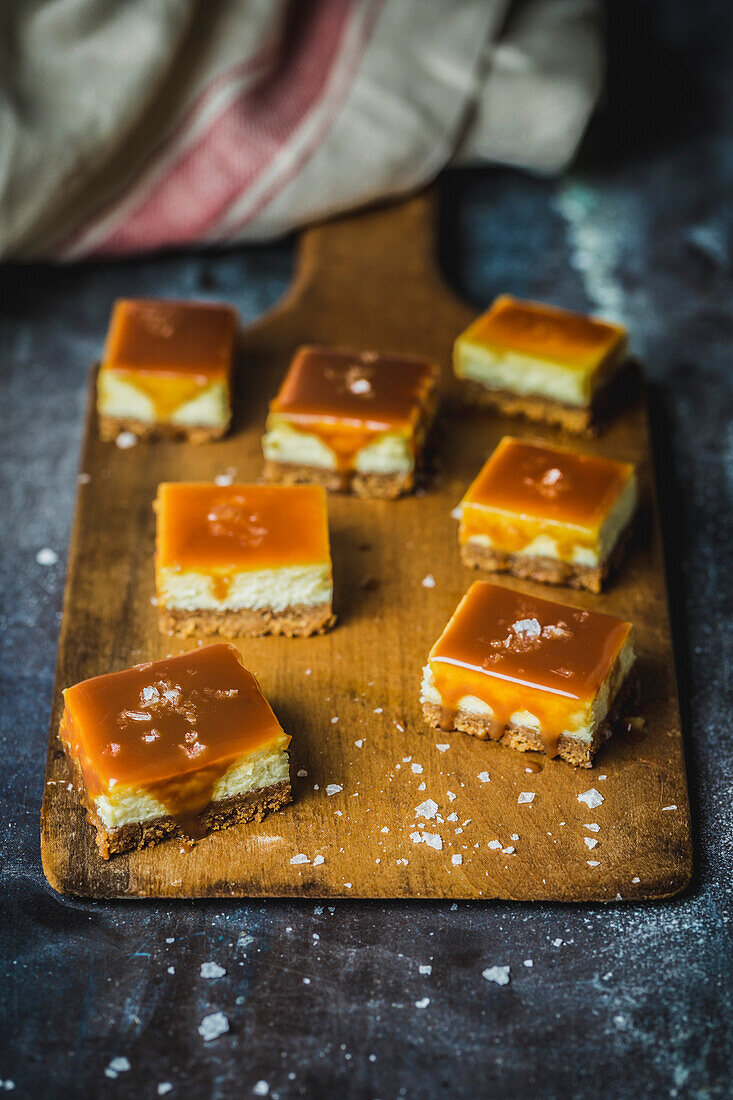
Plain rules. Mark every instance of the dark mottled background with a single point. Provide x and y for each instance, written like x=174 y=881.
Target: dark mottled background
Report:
x=623 y=1001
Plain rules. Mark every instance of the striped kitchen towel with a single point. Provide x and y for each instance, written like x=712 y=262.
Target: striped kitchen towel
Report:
x=150 y=124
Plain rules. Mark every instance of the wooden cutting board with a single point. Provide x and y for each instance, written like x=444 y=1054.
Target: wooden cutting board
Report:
x=350 y=698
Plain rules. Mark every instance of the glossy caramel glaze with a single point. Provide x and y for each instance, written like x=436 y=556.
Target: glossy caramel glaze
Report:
x=546 y=332
x=202 y=527
x=171 y=728
x=517 y=653
x=528 y=489
x=171 y=351
x=349 y=398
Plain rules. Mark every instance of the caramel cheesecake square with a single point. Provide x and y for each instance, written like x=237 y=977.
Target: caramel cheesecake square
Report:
x=351 y=421
x=241 y=560
x=548 y=513
x=176 y=747
x=166 y=370
x=541 y=362
x=530 y=673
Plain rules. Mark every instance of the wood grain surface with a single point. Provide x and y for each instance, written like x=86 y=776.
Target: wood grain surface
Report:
x=350 y=698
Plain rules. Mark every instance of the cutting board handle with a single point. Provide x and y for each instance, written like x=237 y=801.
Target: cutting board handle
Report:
x=377 y=250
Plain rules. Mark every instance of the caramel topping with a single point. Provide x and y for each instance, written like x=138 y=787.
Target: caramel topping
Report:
x=350 y=398
x=169 y=350
x=546 y=332
x=528 y=489
x=521 y=653
x=170 y=727
x=206 y=527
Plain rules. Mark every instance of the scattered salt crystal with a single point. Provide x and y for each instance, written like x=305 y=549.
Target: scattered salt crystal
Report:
x=417 y=769
x=334 y=720
x=442 y=748
x=590 y=842
x=452 y=817
x=347 y=885
x=636 y=879
x=494 y=844
x=425 y=968
x=484 y=777
x=451 y=796
x=47 y=556
x=406 y=759
x=592 y=862
x=224 y=479
x=593 y=827
x=385 y=829
x=530 y=628
x=359 y=743
x=427 y=809
x=525 y=796
x=302 y=773
x=669 y=807
x=497 y=974
x=508 y=851
x=457 y=511
x=164 y=1088
x=528 y=962
x=125 y=440
x=603 y=777
x=118 y=1065
x=423 y=1003
x=557 y=942
x=308 y=671
x=261 y=1088
x=212 y=970
x=378 y=710
x=333 y=788
x=456 y=860
x=422 y=786
x=514 y=836
x=318 y=860
x=170 y=939
x=592 y=798
x=300 y=858
x=429 y=581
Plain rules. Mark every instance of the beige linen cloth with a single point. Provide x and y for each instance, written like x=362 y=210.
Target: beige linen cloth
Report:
x=133 y=125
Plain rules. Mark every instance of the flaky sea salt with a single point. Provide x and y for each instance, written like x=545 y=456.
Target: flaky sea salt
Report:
x=422 y=1003
x=118 y=1065
x=333 y=788
x=442 y=748
x=212 y=1026
x=593 y=827
x=429 y=581
x=427 y=809
x=592 y=798
x=451 y=796
x=47 y=556
x=425 y=968
x=318 y=860
x=456 y=860
x=261 y=1088
x=592 y=862
x=528 y=628
x=300 y=858
x=212 y=970
x=417 y=769
x=590 y=842
x=525 y=796
x=433 y=840
x=494 y=844
x=125 y=440
x=497 y=974
x=484 y=777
